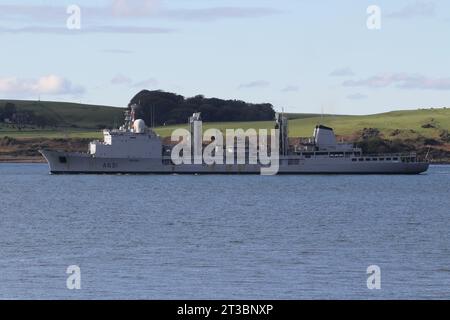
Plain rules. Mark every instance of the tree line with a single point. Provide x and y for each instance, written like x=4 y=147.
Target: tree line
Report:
x=166 y=108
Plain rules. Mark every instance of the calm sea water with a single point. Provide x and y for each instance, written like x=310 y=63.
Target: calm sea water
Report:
x=223 y=237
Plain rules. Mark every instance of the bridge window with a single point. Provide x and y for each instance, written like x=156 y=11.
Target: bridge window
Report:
x=62 y=160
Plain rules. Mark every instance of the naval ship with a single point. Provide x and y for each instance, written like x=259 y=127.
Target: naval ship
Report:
x=135 y=148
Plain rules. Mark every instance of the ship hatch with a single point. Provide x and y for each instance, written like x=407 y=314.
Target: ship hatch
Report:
x=62 y=159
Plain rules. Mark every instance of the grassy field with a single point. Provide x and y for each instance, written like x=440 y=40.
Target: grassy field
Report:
x=85 y=121
x=50 y=134
x=409 y=123
x=72 y=114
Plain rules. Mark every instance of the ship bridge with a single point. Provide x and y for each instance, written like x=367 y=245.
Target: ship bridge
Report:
x=132 y=140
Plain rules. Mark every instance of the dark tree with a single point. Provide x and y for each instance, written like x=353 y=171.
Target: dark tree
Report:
x=170 y=108
x=9 y=110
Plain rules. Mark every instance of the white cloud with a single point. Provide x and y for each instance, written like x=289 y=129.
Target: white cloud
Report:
x=401 y=80
x=49 y=84
x=357 y=96
x=417 y=9
x=118 y=51
x=86 y=30
x=254 y=84
x=218 y=13
x=132 y=8
x=342 y=72
x=15 y=11
x=47 y=18
x=151 y=82
x=121 y=79
x=290 y=88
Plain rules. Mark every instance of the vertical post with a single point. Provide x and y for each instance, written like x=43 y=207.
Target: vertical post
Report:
x=196 y=137
x=282 y=125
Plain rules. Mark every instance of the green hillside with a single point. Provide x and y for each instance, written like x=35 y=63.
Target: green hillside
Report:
x=85 y=121
x=404 y=124
x=400 y=124
x=74 y=115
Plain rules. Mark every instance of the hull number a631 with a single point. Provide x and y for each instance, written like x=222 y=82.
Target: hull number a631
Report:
x=110 y=165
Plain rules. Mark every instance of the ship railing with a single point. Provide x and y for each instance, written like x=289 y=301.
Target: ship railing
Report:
x=404 y=157
x=384 y=155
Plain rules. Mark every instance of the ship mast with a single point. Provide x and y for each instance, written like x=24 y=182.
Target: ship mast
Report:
x=282 y=125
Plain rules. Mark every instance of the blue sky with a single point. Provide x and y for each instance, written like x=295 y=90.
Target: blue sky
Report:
x=302 y=56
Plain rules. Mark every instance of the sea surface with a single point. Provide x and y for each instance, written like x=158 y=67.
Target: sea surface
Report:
x=223 y=237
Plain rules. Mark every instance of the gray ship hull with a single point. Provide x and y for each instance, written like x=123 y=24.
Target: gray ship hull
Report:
x=81 y=163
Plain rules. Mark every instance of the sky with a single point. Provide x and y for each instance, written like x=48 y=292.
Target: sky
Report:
x=300 y=55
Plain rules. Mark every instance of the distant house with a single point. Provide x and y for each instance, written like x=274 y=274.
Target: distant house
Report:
x=7 y=120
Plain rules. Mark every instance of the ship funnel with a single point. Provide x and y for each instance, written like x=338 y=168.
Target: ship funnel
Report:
x=324 y=137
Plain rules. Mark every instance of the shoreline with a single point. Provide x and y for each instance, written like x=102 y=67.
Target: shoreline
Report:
x=21 y=160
